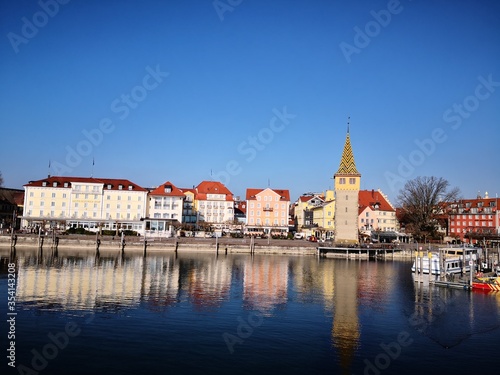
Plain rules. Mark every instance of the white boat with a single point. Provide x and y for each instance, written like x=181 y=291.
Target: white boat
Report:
x=453 y=261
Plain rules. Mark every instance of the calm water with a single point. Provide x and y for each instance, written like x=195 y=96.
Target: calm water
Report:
x=237 y=314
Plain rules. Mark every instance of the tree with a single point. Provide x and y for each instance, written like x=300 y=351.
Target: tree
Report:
x=421 y=201
x=1 y=179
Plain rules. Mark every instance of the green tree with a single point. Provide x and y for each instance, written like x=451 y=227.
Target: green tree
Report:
x=422 y=200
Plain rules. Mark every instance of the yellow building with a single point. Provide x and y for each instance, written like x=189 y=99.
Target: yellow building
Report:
x=324 y=219
x=84 y=202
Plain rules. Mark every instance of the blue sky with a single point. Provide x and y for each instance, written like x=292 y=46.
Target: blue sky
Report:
x=251 y=92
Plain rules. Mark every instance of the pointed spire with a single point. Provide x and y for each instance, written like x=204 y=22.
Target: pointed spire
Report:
x=347 y=163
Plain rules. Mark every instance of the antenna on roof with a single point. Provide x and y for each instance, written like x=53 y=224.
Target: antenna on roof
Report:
x=348 y=123
x=268 y=182
x=92 y=172
x=48 y=175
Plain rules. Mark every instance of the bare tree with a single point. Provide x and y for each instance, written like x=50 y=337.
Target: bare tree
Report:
x=421 y=200
x=1 y=179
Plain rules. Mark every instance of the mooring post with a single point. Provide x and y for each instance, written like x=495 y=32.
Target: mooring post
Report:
x=122 y=242
x=216 y=244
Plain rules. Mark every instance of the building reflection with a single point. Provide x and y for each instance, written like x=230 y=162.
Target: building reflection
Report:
x=346 y=327
x=208 y=281
x=265 y=282
x=87 y=283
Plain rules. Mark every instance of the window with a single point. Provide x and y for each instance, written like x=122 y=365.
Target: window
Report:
x=129 y=198
x=42 y=195
x=31 y=194
x=342 y=181
x=346 y=209
x=64 y=195
x=352 y=181
x=346 y=197
x=52 y=204
x=53 y=195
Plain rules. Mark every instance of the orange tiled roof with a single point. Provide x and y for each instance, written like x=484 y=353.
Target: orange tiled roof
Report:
x=284 y=194
x=174 y=191
x=368 y=198
x=212 y=187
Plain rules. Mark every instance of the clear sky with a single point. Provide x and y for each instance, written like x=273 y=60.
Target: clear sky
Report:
x=251 y=93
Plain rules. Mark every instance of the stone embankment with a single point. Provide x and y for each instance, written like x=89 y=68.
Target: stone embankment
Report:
x=231 y=245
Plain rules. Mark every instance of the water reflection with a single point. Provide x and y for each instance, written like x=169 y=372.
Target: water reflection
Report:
x=265 y=282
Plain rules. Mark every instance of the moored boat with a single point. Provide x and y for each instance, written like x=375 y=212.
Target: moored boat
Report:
x=486 y=283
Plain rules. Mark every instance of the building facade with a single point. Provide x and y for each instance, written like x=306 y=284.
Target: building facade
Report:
x=376 y=212
x=88 y=203
x=214 y=204
x=165 y=207
x=474 y=220
x=347 y=185
x=267 y=211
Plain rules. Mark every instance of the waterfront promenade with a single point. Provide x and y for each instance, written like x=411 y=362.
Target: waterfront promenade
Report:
x=134 y=244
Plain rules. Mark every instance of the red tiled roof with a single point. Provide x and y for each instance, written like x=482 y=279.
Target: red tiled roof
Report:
x=284 y=194
x=368 y=198
x=212 y=187
x=306 y=198
x=60 y=180
x=160 y=190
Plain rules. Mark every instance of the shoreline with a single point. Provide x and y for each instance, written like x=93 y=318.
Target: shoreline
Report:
x=183 y=244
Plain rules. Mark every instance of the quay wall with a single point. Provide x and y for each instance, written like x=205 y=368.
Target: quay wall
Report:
x=134 y=244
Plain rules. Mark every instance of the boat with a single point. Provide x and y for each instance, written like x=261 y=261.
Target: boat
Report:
x=453 y=261
x=451 y=265
x=486 y=283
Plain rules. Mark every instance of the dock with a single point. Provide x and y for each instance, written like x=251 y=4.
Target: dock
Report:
x=357 y=252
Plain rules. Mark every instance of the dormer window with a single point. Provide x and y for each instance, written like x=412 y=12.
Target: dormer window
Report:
x=109 y=186
x=44 y=183
x=66 y=184
x=130 y=187
x=54 y=184
x=120 y=187
x=168 y=188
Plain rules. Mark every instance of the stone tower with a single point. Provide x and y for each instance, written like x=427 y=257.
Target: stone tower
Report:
x=347 y=184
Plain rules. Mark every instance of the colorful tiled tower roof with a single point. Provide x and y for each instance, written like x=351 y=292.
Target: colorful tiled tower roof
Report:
x=347 y=163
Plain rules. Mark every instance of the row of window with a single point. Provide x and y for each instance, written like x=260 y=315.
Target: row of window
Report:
x=85 y=196
x=165 y=216
x=276 y=205
x=477 y=217
x=268 y=198
x=471 y=223
x=267 y=213
x=258 y=221
x=85 y=205
x=342 y=181
x=85 y=214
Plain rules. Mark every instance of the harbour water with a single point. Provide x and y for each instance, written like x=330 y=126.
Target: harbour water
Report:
x=199 y=313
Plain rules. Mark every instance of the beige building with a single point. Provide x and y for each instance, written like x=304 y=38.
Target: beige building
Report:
x=88 y=203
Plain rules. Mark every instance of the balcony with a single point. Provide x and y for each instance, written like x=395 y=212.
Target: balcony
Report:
x=267 y=209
